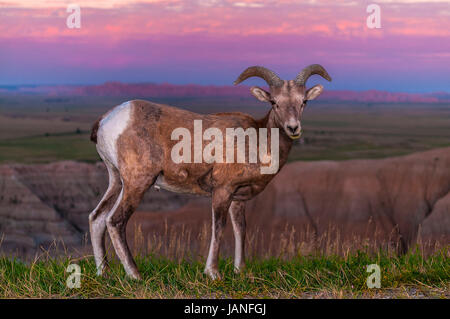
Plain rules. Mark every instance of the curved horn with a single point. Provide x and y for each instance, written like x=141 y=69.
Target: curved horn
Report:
x=303 y=76
x=269 y=76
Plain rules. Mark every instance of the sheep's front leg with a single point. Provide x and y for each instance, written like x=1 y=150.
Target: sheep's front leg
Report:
x=237 y=214
x=221 y=200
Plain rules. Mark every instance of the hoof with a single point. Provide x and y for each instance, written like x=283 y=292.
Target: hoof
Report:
x=238 y=270
x=103 y=270
x=213 y=274
x=135 y=276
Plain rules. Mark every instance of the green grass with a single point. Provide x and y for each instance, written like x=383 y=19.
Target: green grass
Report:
x=304 y=276
x=48 y=148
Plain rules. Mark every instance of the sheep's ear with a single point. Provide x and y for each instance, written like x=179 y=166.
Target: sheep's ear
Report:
x=314 y=92
x=260 y=94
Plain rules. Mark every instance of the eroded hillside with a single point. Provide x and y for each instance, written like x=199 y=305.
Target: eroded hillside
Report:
x=396 y=200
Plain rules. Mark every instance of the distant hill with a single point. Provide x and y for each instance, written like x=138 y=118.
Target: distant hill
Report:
x=194 y=90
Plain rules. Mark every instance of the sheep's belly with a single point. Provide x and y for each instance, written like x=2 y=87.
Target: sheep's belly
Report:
x=161 y=182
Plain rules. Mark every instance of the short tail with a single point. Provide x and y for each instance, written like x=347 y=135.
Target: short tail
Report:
x=95 y=130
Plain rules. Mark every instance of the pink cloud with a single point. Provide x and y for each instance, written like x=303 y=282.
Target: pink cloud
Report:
x=222 y=17
x=216 y=34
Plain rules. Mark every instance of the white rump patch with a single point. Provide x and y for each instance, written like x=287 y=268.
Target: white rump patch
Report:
x=111 y=127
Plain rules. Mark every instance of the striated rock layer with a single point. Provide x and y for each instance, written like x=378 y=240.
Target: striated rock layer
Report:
x=399 y=199
x=43 y=203
x=395 y=198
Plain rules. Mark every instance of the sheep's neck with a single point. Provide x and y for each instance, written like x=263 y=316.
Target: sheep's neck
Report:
x=269 y=121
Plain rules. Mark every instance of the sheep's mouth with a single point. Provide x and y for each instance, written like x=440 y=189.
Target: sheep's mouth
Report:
x=295 y=136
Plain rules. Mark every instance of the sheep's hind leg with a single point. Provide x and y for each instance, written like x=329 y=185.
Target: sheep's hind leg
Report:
x=97 y=218
x=117 y=219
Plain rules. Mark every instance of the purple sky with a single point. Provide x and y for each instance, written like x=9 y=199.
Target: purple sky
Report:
x=212 y=41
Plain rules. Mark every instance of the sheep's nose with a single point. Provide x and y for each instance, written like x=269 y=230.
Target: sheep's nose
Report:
x=292 y=128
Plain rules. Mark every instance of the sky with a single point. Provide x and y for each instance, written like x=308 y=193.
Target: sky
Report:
x=211 y=42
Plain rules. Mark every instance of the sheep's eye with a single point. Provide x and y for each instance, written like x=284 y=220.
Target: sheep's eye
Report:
x=274 y=104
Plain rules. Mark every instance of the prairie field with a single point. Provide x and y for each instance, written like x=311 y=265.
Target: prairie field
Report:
x=39 y=129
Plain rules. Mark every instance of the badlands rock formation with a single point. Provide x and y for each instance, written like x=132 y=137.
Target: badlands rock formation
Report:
x=41 y=203
x=394 y=199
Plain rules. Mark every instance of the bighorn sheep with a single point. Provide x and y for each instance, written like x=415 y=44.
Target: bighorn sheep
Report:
x=134 y=141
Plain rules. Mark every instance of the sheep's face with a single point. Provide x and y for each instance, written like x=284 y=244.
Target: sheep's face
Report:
x=288 y=102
